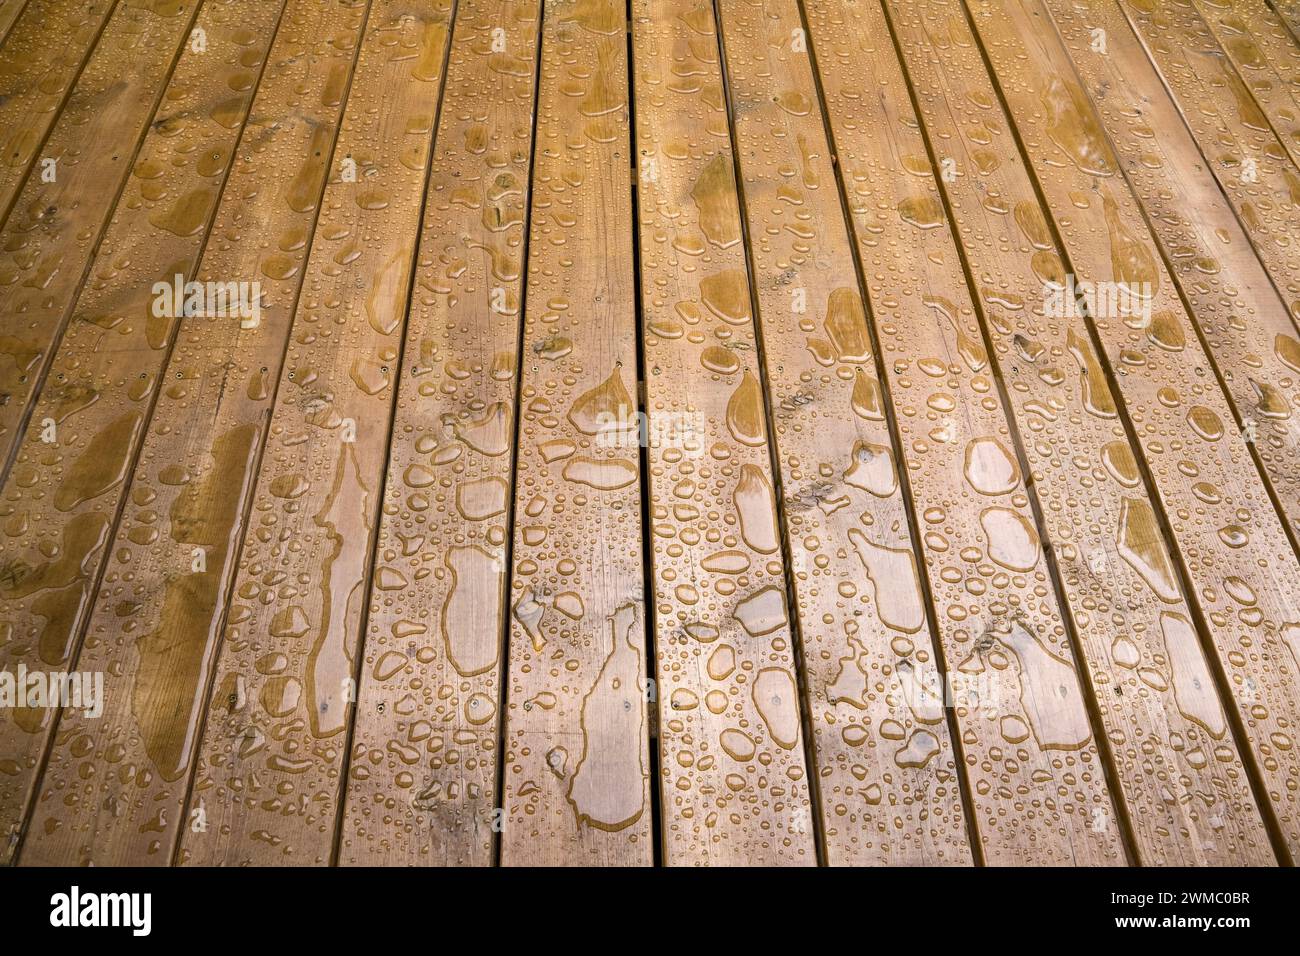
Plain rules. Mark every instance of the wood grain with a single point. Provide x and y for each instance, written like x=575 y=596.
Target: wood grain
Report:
x=39 y=63
x=683 y=432
x=887 y=774
x=1246 y=325
x=1251 y=166
x=1288 y=11
x=1227 y=53
x=1164 y=723
x=1243 y=574
x=10 y=10
x=49 y=240
x=1000 y=621
x=577 y=763
x=156 y=618
x=1243 y=320
x=733 y=778
x=422 y=785
x=271 y=755
x=1241 y=29
x=64 y=493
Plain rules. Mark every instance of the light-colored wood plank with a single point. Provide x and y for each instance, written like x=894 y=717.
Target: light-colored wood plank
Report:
x=156 y=618
x=1270 y=28
x=1240 y=32
x=1288 y=11
x=1251 y=32
x=1246 y=325
x=1250 y=164
x=276 y=733
x=1244 y=575
x=577 y=766
x=47 y=243
x=39 y=63
x=1184 y=787
x=1028 y=738
x=734 y=788
x=889 y=782
x=63 y=495
x=1203 y=78
x=422 y=783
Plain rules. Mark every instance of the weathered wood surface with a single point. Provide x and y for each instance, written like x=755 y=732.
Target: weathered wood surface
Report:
x=651 y=432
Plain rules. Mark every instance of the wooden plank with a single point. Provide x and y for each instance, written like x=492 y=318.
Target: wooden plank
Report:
x=10 y=10
x=1280 y=37
x=422 y=784
x=1244 y=576
x=1247 y=325
x=1253 y=34
x=47 y=244
x=39 y=64
x=1240 y=31
x=577 y=767
x=1186 y=793
x=1288 y=11
x=63 y=494
x=734 y=786
x=156 y=618
x=1250 y=164
x=890 y=788
x=1276 y=39
x=1202 y=78
x=1244 y=322
x=275 y=739
x=1000 y=619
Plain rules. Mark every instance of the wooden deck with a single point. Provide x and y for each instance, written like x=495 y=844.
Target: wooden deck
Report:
x=726 y=432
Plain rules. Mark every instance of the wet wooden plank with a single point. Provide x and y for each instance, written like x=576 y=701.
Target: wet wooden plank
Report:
x=1182 y=781
x=39 y=63
x=1000 y=620
x=273 y=748
x=1240 y=31
x=1203 y=79
x=1275 y=36
x=1288 y=11
x=1251 y=166
x=47 y=244
x=888 y=780
x=422 y=785
x=577 y=767
x=1247 y=325
x=1260 y=45
x=1244 y=576
x=156 y=618
x=63 y=495
x=734 y=788
x=10 y=11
